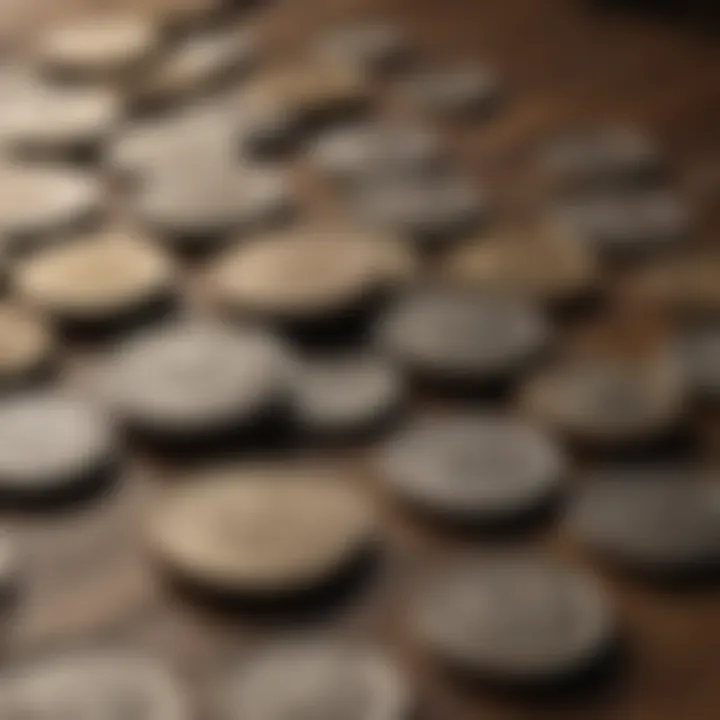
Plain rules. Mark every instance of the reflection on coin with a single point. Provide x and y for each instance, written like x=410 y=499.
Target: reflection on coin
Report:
x=367 y=152
x=35 y=202
x=316 y=679
x=514 y=618
x=347 y=395
x=453 y=91
x=698 y=349
x=267 y=530
x=50 y=445
x=463 y=336
x=97 y=684
x=98 y=46
x=608 y=402
x=190 y=380
x=599 y=158
x=306 y=275
x=628 y=224
x=544 y=262
x=651 y=519
x=428 y=209
x=473 y=467
x=27 y=346
x=98 y=278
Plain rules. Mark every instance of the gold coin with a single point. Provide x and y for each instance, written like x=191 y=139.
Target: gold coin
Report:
x=26 y=344
x=262 y=530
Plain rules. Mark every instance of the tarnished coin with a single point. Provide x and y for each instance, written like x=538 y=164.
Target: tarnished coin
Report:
x=473 y=467
x=36 y=202
x=40 y=120
x=347 y=395
x=263 y=531
x=27 y=346
x=698 y=349
x=608 y=402
x=544 y=262
x=51 y=445
x=454 y=91
x=463 y=336
x=308 y=275
x=599 y=158
x=316 y=679
x=191 y=380
x=430 y=209
x=628 y=224
x=514 y=617
x=92 y=684
x=651 y=518
x=97 y=279
x=99 y=46
x=378 y=150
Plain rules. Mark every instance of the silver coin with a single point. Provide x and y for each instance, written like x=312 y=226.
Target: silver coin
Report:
x=191 y=379
x=466 y=336
x=650 y=518
x=51 y=444
x=101 y=685
x=320 y=680
x=513 y=617
x=473 y=467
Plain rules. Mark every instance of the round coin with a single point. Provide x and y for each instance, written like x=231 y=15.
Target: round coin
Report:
x=463 y=336
x=316 y=679
x=263 y=532
x=50 y=446
x=514 y=618
x=97 y=279
x=97 y=684
x=650 y=519
x=27 y=346
x=473 y=467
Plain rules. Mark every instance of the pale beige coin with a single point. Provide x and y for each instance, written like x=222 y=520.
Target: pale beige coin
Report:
x=97 y=278
x=99 y=45
x=38 y=201
x=264 y=530
x=306 y=274
x=26 y=345
x=544 y=262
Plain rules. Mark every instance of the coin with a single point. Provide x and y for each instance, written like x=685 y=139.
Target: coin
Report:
x=368 y=151
x=600 y=157
x=472 y=467
x=698 y=349
x=628 y=224
x=94 y=683
x=608 y=402
x=347 y=394
x=27 y=346
x=513 y=617
x=453 y=91
x=308 y=275
x=9 y=570
x=265 y=531
x=36 y=202
x=51 y=445
x=99 y=45
x=318 y=679
x=97 y=279
x=192 y=380
x=544 y=262
x=430 y=209
x=650 y=518
x=462 y=336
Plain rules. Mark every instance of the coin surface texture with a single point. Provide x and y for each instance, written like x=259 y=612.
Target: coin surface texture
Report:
x=27 y=345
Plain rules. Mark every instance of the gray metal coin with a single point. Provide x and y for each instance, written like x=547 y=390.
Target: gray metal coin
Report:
x=51 y=445
x=513 y=617
x=93 y=684
x=463 y=336
x=316 y=679
x=192 y=379
x=473 y=467
x=651 y=519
